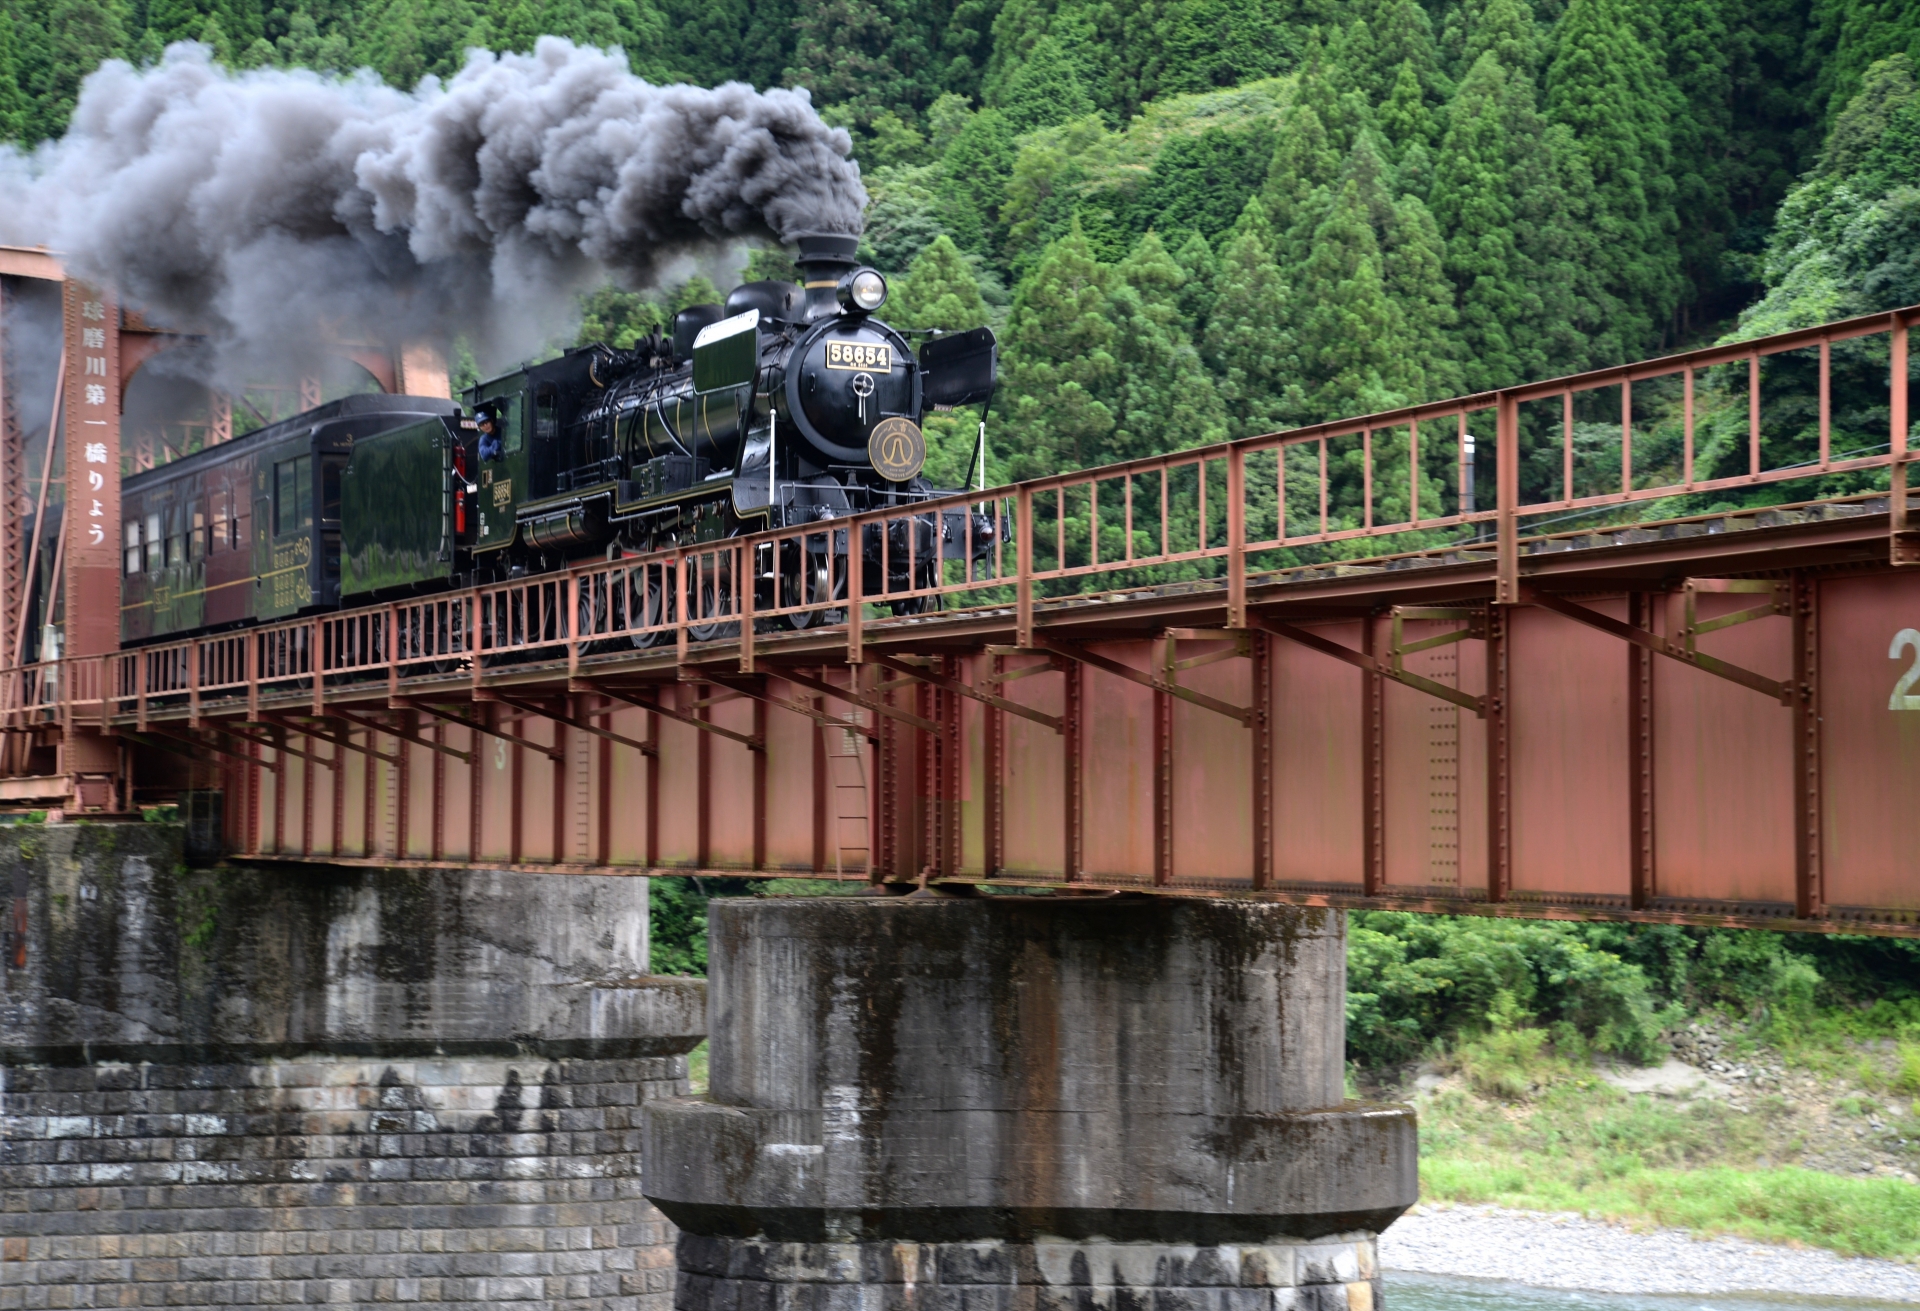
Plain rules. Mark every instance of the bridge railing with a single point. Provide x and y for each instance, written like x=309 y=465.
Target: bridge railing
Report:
x=1827 y=405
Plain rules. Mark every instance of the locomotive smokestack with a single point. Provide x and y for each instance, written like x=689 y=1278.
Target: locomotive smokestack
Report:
x=824 y=258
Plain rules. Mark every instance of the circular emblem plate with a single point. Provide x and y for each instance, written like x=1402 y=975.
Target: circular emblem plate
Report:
x=897 y=448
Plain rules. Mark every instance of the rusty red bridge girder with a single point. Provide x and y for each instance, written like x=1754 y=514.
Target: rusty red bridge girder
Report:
x=1137 y=685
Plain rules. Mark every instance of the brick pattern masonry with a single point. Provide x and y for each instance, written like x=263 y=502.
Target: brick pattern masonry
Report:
x=456 y=1182
x=726 y=1274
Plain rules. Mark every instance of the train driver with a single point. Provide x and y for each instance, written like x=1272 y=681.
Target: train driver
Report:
x=491 y=446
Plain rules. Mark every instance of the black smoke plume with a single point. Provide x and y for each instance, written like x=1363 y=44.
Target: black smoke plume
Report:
x=268 y=209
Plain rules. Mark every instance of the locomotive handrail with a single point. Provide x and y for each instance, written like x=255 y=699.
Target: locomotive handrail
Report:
x=1241 y=503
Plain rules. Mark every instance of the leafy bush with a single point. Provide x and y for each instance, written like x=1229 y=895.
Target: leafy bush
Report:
x=1502 y=1063
x=677 y=914
x=1416 y=980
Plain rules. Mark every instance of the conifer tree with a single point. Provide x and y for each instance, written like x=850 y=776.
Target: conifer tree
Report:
x=1506 y=27
x=1199 y=267
x=869 y=56
x=177 y=20
x=1305 y=163
x=1165 y=397
x=1414 y=266
x=1606 y=88
x=939 y=291
x=1473 y=203
x=1347 y=332
x=1405 y=118
x=1500 y=201
x=214 y=37
x=1849 y=37
x=79 y=34
x=974 y=174
x=13 y=101
x=1246 y=342
x=1699 y=57
x=1059 y=362
x=1048 y=86
x=1174 y=47
x=1398 y=33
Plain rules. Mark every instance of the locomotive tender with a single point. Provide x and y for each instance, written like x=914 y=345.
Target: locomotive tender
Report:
x=789 y=405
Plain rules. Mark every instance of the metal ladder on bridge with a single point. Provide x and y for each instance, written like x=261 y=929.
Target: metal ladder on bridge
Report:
x=847 y=786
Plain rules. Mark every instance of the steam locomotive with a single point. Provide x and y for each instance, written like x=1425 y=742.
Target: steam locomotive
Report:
x=790 y=404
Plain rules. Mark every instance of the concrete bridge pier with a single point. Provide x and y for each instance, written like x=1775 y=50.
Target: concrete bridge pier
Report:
x=1027 y=1104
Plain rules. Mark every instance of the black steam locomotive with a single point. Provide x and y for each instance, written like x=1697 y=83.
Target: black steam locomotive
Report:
x=789 y=405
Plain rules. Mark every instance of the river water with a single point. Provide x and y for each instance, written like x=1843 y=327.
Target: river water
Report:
x=1411 y=1292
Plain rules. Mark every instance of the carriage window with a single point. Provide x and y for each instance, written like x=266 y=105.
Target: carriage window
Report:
x=217 y=539
x=546 y=414
x=156 y=543
x=293 y=496
x=177 y=535
x=197 y=541
x=133 y=546
x=330 y=469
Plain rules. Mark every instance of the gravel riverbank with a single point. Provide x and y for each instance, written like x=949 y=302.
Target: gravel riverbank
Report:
x=1567 y=1251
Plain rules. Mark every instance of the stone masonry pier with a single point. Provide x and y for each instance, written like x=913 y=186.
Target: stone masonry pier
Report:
x=227 y=1088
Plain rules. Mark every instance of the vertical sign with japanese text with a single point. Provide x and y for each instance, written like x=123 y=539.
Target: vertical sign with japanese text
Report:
x=90 y=408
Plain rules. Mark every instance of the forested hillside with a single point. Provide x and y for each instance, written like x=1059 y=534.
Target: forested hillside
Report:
x=1195 y=219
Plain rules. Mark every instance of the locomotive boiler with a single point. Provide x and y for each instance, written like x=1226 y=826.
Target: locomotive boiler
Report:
x=791 y=404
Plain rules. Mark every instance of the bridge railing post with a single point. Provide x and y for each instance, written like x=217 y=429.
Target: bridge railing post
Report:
x=1904 y=549
x=1236 y=537
x=571 y=625
x=1507 y=500
x=1023 y=567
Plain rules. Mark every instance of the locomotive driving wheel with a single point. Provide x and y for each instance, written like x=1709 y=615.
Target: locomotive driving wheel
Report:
x=649 y=603
x=710 y=596
x=807 y=578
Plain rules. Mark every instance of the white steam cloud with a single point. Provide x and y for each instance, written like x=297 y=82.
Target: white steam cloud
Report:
x=266 y=208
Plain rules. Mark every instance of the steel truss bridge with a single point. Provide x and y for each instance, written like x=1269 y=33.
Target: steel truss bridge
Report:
x=1323 y=666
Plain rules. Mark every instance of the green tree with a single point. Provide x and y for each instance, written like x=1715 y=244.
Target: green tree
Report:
x=1848 y=37
x=619 y=318
x=404 y=40
x=1507 y=28
x=868 y=57
x=1348 y=334
x=974 y=174
x=179 y=20
x=1059 y=362
x=1164 y=398
x=1605 y=86
x=1847 y=240
x=708 y=42
x=1199 y=266
x=1048 y=86
x=939 y=291
x=15 y=113
x=1700 y=52
x=1306 y=161
x=904 y=216
x=79 y=35
x=1174 y=47
x=1245 y=345
x=1405 y=117
x=1414 y=266
x=1391 y=34
x=1201 y=183
x=1474 y=204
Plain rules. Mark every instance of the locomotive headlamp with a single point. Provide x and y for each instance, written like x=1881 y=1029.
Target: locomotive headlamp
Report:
x=862 y=292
